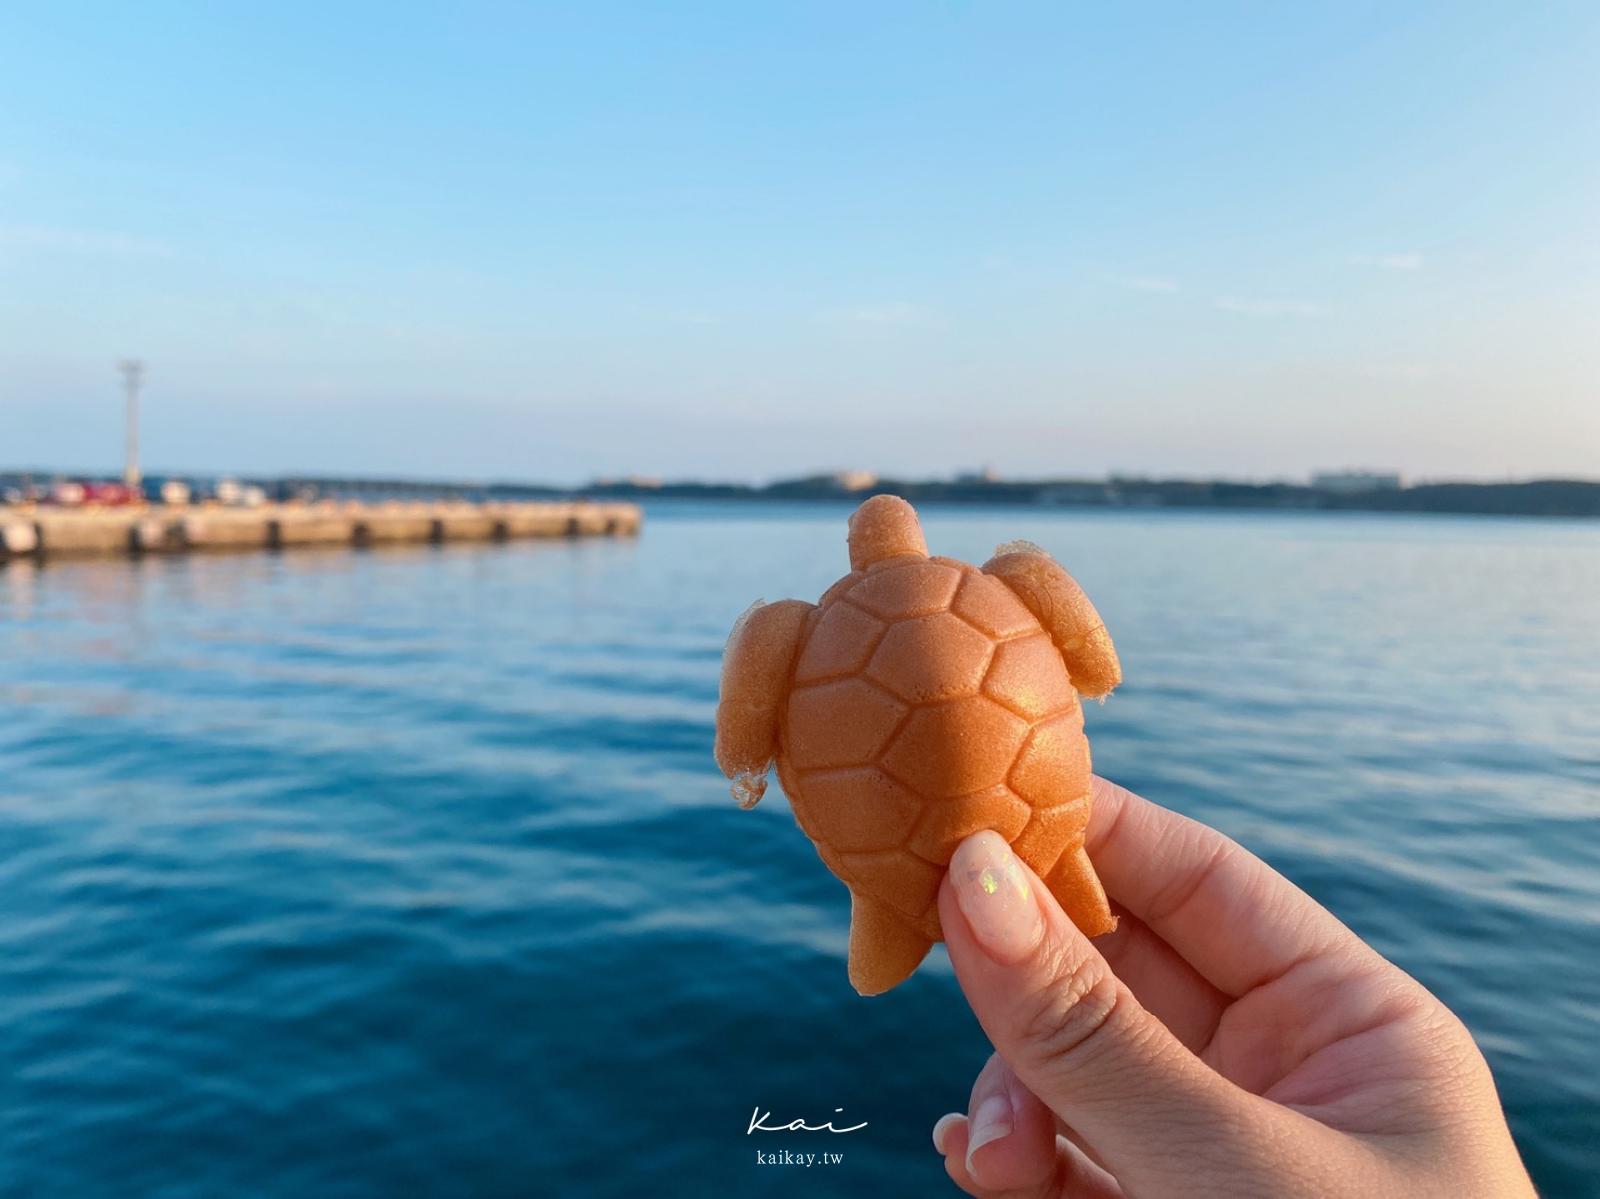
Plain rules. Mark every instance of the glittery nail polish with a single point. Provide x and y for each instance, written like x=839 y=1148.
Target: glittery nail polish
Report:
x=996 y=896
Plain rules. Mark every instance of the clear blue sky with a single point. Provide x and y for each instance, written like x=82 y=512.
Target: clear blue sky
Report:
x=746 y=240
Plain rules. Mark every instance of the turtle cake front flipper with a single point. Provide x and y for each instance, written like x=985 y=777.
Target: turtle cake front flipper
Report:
x=1059 y=604
x=756 y=664
x=920 y=701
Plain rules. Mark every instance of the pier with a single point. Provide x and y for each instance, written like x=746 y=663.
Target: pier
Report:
x=49 y=532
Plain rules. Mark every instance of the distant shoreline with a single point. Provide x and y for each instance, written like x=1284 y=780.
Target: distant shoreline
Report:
x=1544 y=498
x=1538 y=497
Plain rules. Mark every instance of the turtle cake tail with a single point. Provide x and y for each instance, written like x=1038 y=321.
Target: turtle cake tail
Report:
x=884 y=948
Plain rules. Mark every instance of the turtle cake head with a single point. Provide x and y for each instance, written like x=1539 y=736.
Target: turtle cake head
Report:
x=882 y=528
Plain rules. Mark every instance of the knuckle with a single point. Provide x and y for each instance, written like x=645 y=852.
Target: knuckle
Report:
x=1450 y=1042
x=1073 y=1017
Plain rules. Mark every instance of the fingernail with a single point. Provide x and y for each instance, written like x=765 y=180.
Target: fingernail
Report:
x=942 y=1128
x=995 y=896
x=990 y=1122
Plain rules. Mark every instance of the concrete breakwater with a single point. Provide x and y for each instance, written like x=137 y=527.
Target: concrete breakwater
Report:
x=88 y=532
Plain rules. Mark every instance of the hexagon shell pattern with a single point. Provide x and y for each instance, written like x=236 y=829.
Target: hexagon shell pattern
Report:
x=927 y=658
x=927 y=703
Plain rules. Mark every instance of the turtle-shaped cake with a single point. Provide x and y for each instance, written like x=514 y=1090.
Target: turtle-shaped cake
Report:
x=919 y=701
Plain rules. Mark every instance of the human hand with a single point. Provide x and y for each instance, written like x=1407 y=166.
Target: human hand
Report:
x=1231 y=1038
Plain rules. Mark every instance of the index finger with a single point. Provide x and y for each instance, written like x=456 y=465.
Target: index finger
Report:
x=1232 y=917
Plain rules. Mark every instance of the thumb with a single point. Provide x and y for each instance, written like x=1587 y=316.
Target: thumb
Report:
x=1150 y=1110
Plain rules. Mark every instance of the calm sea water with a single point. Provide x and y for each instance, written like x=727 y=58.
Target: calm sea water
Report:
x=408 y=872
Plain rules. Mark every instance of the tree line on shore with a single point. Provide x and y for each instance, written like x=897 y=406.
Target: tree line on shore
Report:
x=1540 y=497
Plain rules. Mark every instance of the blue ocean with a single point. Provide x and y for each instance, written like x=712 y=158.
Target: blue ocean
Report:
x=408 y=872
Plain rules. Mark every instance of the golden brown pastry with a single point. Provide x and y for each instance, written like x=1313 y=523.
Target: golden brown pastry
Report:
x=921 y=700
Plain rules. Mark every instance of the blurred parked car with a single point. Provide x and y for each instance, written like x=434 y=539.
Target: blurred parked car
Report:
x=112 y=495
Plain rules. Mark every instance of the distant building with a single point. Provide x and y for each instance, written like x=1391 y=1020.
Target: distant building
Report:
x=855 y=480
x=1353 y=482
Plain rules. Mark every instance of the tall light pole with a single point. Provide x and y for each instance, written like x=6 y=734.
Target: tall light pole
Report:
x=132 y=376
